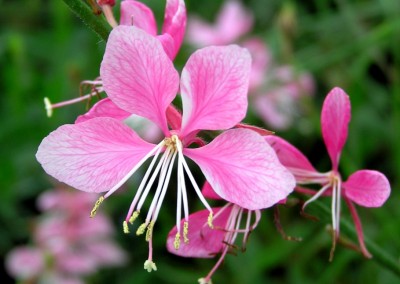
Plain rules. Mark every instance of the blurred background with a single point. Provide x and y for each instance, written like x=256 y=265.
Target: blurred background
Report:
x=312 y=46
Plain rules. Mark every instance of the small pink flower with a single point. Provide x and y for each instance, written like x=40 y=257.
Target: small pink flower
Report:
x=233 y=21
x=206 y=242
x=367 y=188
x=25 y=263
x=102 y=153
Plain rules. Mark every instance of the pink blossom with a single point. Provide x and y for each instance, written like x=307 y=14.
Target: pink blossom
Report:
x=102 y=153
x=206 y=242
x=367 y=188
x=66 y=243
x=25 y=262
x=232 y=22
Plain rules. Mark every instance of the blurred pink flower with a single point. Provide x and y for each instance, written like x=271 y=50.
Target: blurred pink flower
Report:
x=102 y=153
x=367 y=188
x=72 y=244
x=232 y=22
x=25 y=262
x=275 y=91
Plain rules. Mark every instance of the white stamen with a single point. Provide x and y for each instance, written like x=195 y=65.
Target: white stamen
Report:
x=181 y=176
x=143 y=183
x=161 y=165
x=178 y=201
x=334 y=207
x=164 y=190
x=195 y=186
x=131 y=172
x=318 y=194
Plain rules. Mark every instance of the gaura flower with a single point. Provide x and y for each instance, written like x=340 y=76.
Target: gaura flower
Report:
x=102 y=153
x=232 y=22
x=366 y=188
x=206 y=242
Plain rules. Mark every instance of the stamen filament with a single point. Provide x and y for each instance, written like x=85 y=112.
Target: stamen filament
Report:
x=141 y=186
x=195 y=186
x=160 y=186
x=318 y=194
x=164 y=190
x=135 y=168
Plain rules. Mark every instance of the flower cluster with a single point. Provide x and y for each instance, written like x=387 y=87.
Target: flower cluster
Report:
x=66 y=245
x=246 y=166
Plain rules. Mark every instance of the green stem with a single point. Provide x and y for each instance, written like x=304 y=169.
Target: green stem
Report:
x=97 y=23
x=379 y=255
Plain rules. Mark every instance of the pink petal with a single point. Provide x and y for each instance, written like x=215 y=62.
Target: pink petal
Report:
x=106 y=253
x=25 y=262
x=168 y=44
x=208 y=192
x=367 y=188
x=202 y=34
x=137 y=74
x=242 y=168
x=134 y=13
x=234 y=21
x=289 y=155
x=214 y=87
x=261 y=59
x=175 y=22
x=335 y=118
x=104 y=108
x=76 y=262
x=274 y=108
x=92 y=155
x=204 y=242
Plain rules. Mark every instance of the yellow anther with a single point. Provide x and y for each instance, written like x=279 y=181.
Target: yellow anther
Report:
x=177 y=241
x=133 y=217
x=126 y=228
x=48 y=107
x=150 y=266
x=96 y=206
x=185 y=232
x=149 y=232
x=141 y=229
x=210 y=220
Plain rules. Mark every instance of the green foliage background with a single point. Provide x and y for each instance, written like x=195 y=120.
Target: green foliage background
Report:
x=45 y=51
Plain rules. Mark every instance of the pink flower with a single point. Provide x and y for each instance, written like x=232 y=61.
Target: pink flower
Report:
x=367 y=188
x=25 y=262
x=102 y=153
x=233 y=22
x=135 y=13
x=206 y=242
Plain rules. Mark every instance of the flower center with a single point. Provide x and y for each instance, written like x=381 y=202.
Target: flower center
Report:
x=173 y=150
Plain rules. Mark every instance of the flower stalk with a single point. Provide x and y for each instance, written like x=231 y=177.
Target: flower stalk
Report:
x=379 y=255
x=94 y=22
